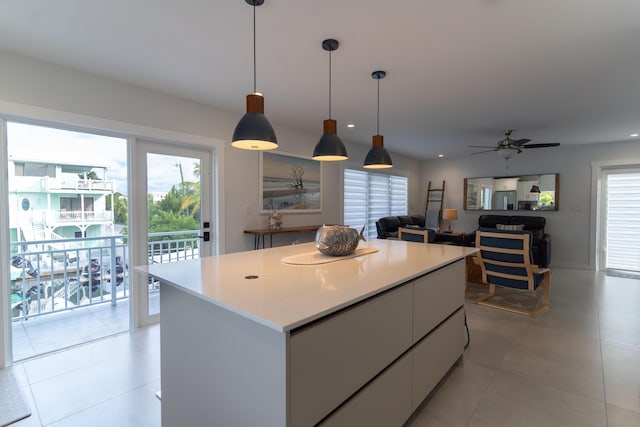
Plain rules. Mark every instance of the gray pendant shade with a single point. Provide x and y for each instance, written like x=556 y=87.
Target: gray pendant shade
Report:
x=330 y=146
x=378 y=157
x=253 y=131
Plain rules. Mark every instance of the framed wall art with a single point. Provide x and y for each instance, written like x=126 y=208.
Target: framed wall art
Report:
x=290 y=183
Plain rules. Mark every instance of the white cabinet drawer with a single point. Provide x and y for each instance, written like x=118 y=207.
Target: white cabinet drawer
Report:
x=331 y=360
x=433 y=356
x=436 y=296
x=385 y=402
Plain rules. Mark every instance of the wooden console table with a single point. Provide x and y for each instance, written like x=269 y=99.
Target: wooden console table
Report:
x=270 y=232
x=453 y=238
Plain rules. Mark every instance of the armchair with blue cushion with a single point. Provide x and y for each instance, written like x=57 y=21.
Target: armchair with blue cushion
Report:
x=416 y=234
x=387 y=227
x=541 y=241
x=506 y=260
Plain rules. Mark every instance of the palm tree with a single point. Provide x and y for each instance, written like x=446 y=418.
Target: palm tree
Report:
x=191 y=191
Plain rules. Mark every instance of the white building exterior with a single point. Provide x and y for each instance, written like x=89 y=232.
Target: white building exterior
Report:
x=51 y=200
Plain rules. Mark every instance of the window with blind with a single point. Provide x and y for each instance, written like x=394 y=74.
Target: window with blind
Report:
x=622 y=221
x=371 y=196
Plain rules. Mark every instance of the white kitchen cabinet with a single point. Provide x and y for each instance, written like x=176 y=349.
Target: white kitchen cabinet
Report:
x=360 y=341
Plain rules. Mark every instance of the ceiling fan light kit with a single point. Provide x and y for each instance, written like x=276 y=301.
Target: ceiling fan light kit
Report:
x=507 y=153
x=253 y=131
x=378 y=157
x=330 y=147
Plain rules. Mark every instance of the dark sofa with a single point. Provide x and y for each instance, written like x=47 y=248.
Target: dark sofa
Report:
x=387 y=227
x=541 y=246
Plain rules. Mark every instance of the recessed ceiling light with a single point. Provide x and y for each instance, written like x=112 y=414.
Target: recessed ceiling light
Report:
x=440 y=155
x=634 y=135
x=351 y=125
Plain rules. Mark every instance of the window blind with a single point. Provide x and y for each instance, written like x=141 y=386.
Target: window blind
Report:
x=623 y=221
x=370 y=196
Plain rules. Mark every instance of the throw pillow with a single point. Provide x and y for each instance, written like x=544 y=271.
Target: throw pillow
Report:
x=512 y=227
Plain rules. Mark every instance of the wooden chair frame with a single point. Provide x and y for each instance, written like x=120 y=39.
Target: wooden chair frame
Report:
x=532 y=271
x=423 y=233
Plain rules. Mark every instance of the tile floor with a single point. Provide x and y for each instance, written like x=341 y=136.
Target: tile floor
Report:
x=576 y=365
x=51 y=332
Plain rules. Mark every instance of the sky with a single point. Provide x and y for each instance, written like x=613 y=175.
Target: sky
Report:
x=279 y=166
x=29 y=142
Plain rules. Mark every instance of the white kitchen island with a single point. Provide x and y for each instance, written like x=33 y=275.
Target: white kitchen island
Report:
x=247 y=340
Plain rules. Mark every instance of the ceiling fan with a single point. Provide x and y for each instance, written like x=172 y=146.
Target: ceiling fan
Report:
x=509 y=147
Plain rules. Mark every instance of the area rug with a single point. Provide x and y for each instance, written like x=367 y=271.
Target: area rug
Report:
x=13 y=406
x=506 y=297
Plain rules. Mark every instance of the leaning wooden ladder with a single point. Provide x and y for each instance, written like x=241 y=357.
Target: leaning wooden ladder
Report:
x=435 y=196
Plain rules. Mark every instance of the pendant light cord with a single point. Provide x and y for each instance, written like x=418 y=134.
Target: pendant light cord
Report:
x=329 y=84
x=378 y=121
x=254 y=48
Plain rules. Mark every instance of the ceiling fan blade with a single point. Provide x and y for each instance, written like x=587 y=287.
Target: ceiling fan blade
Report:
x=483 y=146
x=551 y=144
x=484 y=151
x=520 y=142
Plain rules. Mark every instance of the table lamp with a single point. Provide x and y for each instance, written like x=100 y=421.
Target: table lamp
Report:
x=449 y=215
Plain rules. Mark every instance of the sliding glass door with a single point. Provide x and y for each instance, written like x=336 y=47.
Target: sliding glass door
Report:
x=68 y=276
x=173 y=188
x=82 y=210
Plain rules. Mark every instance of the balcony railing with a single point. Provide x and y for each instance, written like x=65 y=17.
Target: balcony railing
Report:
x=49 y=276
x=78 y=216
x=78 y=185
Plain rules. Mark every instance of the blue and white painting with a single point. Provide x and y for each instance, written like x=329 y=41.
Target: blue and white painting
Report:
x=290 y=183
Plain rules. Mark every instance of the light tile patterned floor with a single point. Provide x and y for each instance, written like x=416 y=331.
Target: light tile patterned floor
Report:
x=576 y=365
x=44 y=334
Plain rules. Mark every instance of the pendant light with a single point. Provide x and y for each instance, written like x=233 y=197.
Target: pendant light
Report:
x=253 y=131
x=378 y=157
x=330 y=147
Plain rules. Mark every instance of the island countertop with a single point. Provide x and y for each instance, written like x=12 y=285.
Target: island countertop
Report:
x=283 y=296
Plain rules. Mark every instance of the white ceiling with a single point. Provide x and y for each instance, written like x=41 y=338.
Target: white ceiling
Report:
x=458 y=71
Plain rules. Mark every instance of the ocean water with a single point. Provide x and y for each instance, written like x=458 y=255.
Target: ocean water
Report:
x=281 y=193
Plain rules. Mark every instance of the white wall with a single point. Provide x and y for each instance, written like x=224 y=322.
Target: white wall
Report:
x=39 y=84
x=572 y=226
